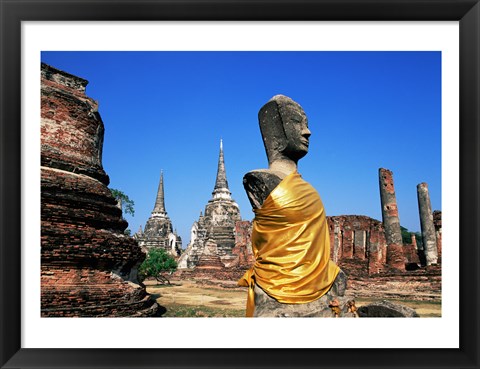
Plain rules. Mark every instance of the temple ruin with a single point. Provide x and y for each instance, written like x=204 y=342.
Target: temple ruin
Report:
x=437 y=222
x=88 y=265
x=243 y=245
x=159 y=232
x=358 y=244
x=363 y=246
x=214 y=232
x=358 y=238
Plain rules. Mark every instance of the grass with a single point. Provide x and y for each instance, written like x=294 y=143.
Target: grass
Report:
x=197 y=311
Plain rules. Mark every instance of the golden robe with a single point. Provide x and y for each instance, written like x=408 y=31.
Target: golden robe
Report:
x=291 y=245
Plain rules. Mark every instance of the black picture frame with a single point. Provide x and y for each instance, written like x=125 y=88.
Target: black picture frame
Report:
x=467 y=12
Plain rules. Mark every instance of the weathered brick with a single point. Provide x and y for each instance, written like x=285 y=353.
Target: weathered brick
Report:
x=87 y=262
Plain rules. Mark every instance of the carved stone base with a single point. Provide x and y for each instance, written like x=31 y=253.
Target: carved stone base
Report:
x=266 y=306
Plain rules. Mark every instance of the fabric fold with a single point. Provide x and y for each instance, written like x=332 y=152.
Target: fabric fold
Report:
x=291 y=245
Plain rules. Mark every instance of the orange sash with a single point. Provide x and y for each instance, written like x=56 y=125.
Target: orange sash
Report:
x=291 y=246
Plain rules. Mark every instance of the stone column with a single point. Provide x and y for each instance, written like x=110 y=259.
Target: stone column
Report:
x=437 y=222
x=391 y=222
x=414 y=240
x=411 y=252
x=426 y=222
x=337 y=243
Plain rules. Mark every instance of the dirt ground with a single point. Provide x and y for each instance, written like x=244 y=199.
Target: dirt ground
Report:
x=191 y=299
x=187 y=298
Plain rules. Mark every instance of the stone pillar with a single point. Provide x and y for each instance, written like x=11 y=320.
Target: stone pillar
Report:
x=426 y=223
x=437 y=222
x=411 y=253
x=414 y=240
x=391 y=222
x=337 y=245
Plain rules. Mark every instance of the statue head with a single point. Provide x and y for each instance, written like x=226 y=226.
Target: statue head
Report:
x=284 y=128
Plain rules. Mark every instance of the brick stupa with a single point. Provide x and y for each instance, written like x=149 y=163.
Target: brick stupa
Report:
x=88 y=265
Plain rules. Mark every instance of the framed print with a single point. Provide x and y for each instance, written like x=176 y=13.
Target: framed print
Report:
x=190 y=33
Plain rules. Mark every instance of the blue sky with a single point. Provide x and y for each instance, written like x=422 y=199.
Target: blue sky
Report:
x=168 y=111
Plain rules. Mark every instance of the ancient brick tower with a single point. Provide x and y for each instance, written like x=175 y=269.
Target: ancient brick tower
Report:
x=217 y=226
x=158 y=232
x=88 y=265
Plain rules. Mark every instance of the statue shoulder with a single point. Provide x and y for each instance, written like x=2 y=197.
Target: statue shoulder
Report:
x=259 y=184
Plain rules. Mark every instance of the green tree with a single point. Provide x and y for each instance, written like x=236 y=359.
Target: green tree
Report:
x=406 y=236
x=127 y=204
x=158 y=265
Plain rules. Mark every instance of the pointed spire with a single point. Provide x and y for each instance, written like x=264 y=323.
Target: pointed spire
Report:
x=221 y=181
x=221 y=190
x=160 y=202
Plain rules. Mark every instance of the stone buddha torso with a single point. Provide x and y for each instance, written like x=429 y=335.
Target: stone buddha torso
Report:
x=286 y=136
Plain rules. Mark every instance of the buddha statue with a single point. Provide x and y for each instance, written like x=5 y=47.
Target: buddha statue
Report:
x=292 y=274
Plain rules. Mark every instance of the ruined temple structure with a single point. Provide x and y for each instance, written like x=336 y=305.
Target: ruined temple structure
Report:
x=437 y=221
x=363 y=246
x=158 y=232
x=360 y=239
x=413 y=254
x=88 y=265
x=215 y=228
x=358 y=245
x=243 y=245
